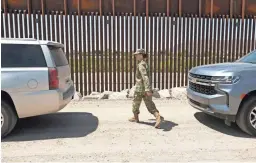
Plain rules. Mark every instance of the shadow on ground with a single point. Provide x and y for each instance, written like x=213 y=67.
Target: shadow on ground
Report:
x=165 y=125
x=54 y=126
x=219 y=125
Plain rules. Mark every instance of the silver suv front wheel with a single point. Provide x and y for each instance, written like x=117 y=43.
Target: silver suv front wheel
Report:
x=2 y=120
x=246 y=117
x=253 y=117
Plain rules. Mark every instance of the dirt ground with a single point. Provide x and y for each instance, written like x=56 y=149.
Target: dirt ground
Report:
x=99 y=131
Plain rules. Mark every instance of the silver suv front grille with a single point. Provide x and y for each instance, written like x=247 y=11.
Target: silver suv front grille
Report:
x=204 y=77
x=202 y=84
x=207 y=90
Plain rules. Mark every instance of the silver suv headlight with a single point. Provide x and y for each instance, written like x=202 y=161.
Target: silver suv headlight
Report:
x=226 y=79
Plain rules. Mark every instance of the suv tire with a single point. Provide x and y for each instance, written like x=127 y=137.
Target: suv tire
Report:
x=243 y=117
x=8 y=119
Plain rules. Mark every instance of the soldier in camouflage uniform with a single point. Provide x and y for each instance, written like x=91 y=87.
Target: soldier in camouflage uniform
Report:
x=143 y=89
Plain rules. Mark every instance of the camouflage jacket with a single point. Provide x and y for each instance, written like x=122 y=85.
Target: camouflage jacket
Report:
x=143 y=83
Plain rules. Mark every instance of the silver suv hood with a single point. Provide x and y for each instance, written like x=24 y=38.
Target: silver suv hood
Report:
x=223 y=69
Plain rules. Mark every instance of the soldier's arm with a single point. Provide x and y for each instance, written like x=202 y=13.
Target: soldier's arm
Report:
x=145 y=77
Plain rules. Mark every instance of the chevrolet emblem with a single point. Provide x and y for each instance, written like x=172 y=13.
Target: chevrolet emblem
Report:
x=193 y=80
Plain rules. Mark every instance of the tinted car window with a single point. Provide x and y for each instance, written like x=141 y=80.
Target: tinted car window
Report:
x=58 y=56
x=19 y=55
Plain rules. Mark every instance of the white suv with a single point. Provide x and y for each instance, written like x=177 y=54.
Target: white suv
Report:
x=35 y=80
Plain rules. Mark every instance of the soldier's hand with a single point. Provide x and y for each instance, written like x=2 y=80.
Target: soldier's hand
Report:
x=149 y=93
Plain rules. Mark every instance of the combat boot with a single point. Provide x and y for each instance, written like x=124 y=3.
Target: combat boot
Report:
x=159 y=119
x=135 y=118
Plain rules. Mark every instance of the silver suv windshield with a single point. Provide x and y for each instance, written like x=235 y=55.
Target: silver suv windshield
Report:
x=249 y=58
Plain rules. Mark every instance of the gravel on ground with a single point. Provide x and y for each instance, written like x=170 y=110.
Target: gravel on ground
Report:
x=99 y=130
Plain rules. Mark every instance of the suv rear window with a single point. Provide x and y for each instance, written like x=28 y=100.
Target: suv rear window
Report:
x=21 y=55
x=58 y=56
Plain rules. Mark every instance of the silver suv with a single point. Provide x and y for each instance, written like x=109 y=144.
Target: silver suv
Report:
x=35 y=80
x=227 y=91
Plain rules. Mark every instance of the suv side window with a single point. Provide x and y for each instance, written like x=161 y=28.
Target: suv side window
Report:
x=22 y=55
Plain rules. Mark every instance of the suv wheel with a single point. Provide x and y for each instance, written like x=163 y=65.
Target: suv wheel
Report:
x=8 y=118
x=246 y=118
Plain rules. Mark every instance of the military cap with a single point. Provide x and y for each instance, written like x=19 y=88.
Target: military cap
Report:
x=140 y=51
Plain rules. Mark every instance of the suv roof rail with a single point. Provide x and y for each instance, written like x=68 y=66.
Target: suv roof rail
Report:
x=32 y=41
x=21 y=39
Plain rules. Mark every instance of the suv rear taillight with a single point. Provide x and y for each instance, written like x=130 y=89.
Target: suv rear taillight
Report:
x=53 y=78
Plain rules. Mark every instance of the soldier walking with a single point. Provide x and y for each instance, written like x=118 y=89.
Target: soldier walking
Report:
x=143 y=89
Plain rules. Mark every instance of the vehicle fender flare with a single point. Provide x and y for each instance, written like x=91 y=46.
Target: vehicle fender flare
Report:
x=6 y=97
x=246 y=97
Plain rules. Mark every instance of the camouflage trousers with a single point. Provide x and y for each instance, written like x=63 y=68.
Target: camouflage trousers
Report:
x=138 y=96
